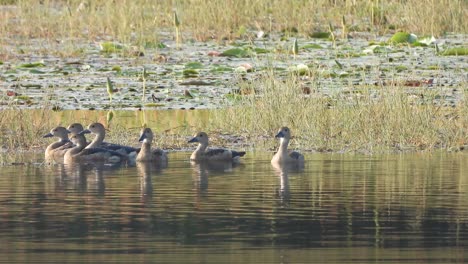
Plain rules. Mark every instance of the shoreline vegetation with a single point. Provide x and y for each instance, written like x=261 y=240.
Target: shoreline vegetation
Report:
x=368 y=118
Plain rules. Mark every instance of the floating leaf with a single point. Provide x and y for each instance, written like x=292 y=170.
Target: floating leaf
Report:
x=376 y=49
x=320 y=35
x=117 y=69
x=32 y=65
x=34 y=71
x=190 y=73
x=403 y=37
x=236 y=52
x=221 y=68
x=459 y=51
x=261 y=50
x=194 y=65
x=111 y=47
x=312 y=46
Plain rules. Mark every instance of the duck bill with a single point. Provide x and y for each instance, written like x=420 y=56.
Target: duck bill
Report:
x=142 y=137
x=48 y=135
x=193 y=140
x=279 y=135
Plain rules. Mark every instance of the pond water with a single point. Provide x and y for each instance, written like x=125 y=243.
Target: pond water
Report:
x=339 y=208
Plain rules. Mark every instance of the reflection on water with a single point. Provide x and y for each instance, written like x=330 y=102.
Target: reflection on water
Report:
x=338 y=208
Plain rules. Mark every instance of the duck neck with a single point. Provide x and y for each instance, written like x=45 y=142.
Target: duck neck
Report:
x=145 y=148
x=76 y=149
x=57 y=144
x=97 y=141
x=201 y=147
x=283 y=148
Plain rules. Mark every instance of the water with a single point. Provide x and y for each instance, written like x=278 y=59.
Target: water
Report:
x=410 y=208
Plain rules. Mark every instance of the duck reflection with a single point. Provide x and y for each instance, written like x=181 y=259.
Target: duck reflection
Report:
x=283 y=171
x=206 y=167
x=80 y=175
x=146 y=171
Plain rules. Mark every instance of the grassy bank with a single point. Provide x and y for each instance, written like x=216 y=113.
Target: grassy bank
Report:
x=370 y=119
x=142 y=22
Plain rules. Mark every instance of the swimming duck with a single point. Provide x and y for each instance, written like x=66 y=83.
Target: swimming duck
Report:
x=283 y=156
x=56 y=150
x=201 y=153
x=98 y=141
x=79 y=152
x=146 y=153
x=75 y=128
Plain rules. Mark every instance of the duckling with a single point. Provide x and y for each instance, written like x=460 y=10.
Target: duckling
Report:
x=98 y=141
x=283 y=156
x=146 y=154
x=201 y=153
x=79 y=152
x=56 y=150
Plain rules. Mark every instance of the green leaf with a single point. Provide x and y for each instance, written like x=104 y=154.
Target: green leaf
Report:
x=34 y=71
x=194 y=65
x=32 y=65
x=312 y=46
x=403 y=37
x=190 y=73
x=459 y=51
x=176 y=20
x=111 y=47
x=236 y=52
x=295 y=47
x=320 y=35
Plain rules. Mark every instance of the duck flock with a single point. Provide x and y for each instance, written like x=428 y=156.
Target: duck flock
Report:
x=73 y=147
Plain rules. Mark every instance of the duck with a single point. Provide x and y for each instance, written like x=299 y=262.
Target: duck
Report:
x=146 y=154
x=284 y=156
x=79 y=152
x=203 y=154
x=56 y=150
x=75 y=128
x=98 y=141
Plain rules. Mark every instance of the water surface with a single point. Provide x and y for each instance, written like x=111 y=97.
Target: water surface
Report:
x=339 y=208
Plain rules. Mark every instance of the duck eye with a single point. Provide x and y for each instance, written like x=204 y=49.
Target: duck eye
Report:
x=201 y=135
x=286 y=130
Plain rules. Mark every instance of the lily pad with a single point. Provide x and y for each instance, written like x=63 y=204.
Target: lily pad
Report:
x=32 y=65
x=312 y=46
x=190 y=73
x=236 y=52
x=194 y=65
x=320 y=35
x=111 y=47
x=459 y=51
x=403 y=37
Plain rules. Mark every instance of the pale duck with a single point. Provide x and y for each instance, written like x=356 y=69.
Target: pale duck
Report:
x=202 y=154
x=146 y=154
x=98 y=141
x=284 y=156
x=56 y=150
